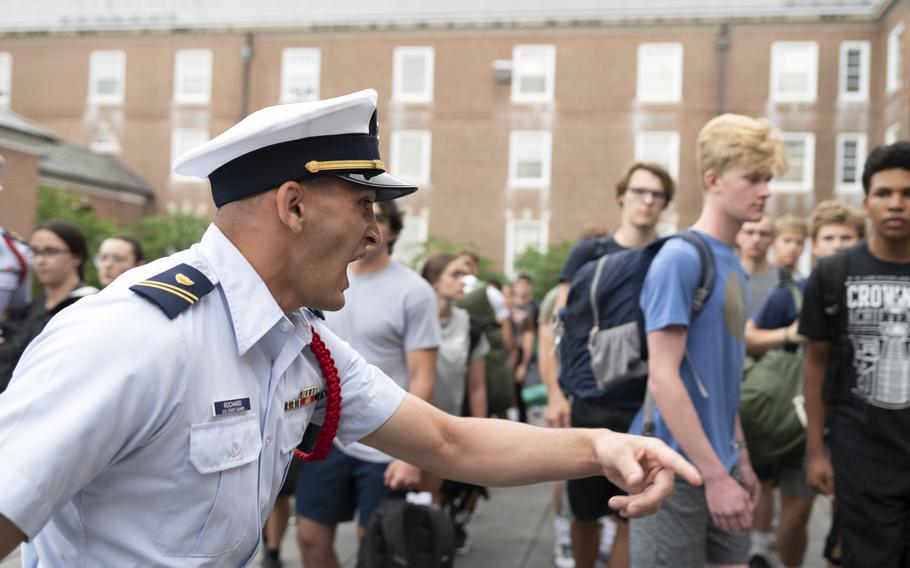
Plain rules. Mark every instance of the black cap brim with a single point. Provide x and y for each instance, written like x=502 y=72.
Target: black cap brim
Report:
x=386 y=185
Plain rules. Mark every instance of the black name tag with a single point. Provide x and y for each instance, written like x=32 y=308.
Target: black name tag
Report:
x=225 y=407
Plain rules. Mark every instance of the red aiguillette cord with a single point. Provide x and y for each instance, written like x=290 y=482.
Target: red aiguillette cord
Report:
x=333 y=401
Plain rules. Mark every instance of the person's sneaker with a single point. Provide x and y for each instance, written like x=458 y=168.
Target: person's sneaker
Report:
x=462 y=539
x=761 y=560
x=562 y=556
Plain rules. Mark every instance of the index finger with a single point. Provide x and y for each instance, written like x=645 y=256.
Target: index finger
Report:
x=670 y=459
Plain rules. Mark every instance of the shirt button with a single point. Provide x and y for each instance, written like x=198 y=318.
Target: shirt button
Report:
x=268 y=441
x=234 y=451
x=286 y=325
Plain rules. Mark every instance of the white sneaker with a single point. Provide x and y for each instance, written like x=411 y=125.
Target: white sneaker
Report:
x=562 y=556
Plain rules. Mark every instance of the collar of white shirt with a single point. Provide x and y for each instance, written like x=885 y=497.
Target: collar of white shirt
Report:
x=253 y=309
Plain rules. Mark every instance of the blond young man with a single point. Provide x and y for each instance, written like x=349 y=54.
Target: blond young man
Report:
x=696 y=363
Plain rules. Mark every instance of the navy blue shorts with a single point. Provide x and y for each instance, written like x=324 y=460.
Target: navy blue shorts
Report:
x=330 y=491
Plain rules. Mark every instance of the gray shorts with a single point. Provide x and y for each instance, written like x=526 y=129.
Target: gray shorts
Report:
x=682 y=534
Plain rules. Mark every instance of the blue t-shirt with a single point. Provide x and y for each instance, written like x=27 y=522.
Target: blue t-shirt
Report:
x=778 y=309
x=715 y=340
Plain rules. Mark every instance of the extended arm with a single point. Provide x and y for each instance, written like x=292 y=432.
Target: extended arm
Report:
x=759 y=341
x=500 y=452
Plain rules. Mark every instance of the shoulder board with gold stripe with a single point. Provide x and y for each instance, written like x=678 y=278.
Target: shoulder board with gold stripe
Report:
x=174 y=290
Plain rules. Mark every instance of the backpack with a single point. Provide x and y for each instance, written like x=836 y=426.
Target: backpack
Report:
x=602 y=345
x=772 y=407
x=406 y=534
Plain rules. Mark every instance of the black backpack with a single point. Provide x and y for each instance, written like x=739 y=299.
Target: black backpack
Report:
x=602 y=346
x=833 y=275
x=406 y=534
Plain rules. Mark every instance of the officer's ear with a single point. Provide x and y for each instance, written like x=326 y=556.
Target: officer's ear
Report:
x=289 y=201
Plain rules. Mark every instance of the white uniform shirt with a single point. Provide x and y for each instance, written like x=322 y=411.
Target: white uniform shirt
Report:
x=110 y=454
x=15 y=287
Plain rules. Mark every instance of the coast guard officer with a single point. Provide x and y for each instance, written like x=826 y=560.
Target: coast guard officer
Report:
x=152 y=424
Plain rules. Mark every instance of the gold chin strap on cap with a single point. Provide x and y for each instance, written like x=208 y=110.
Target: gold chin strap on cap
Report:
x=314 y=166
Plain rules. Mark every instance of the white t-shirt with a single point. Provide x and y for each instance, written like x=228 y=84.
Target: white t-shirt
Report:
x=452 y=360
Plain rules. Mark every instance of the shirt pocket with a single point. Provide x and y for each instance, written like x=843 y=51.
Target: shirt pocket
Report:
x=295 y=423
x=215 y=500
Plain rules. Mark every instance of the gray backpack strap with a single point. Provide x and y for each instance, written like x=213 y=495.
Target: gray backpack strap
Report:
x=593 y=294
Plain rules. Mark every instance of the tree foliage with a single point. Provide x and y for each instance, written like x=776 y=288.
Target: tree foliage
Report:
x=544 y=267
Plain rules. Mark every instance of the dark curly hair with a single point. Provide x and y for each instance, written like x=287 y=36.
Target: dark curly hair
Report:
x=883 y=157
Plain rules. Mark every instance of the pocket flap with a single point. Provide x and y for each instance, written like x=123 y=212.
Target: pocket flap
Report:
x=223 y=444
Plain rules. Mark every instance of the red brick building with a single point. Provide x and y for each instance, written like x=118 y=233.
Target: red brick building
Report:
x=514 y=117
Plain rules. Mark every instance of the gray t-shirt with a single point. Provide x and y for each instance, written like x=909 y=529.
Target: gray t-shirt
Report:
x=452 y=360
x=386 y=314
x=760 y=287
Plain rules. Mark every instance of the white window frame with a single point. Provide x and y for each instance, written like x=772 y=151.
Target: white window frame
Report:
x=863 y=94
x=413 y=235
x=861 y=140
x=543 y=228
x=521 y=53
x=301 y=57
x=182 y=72
x=104 y=140
x=672 y=137
x=808 y=183
x=425 y=96
x=395 y=165
x=894 y=72
x=516 y=138
x=647 y=56
x=178 y=149
x=117 y=61
x=893 y=133
x=778 y=55
x=6 y=79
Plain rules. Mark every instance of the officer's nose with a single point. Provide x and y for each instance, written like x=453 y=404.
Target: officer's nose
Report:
x=373 y=236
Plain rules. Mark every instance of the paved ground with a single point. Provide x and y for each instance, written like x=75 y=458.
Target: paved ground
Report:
x=513 y=530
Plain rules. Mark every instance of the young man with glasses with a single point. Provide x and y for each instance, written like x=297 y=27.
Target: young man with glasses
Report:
x=643 y=192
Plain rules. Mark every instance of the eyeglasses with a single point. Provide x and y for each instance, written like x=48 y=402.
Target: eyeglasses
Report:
x=112 y=258
x=642 y=194
x=49 y=251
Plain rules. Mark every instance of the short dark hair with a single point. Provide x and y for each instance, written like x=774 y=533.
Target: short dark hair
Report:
x=665 y=180
x=138 y=255
x=526 y=277
x=884 y=157
x=74 y=239
x=394 y=218
x=435 y=265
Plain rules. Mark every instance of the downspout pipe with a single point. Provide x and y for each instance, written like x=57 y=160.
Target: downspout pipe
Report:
x=721 y=47
x=246 y=53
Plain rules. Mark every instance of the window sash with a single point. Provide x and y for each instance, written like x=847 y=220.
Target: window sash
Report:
x=6 y=78
x=411 y=155
x=659 y=72
x=851 y=155
x=529 y=159
x=800 y=176
x=413 y=74
x=533 y=73
x=854 y=71
x=183 y=140
x=794 y=71
x=107 y=71
x=193 y=76
x=895 y=70
x=300 y=75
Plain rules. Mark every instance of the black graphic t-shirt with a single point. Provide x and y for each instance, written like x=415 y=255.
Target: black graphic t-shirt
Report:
x=873 y=400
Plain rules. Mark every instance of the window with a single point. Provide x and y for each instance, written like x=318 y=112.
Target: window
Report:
x=533 y=73
x=854 y=71
x=521 y=235
x=411 y=155
x=104 y=140
x=193 y=76
x=529 y=158
x=661 y=148
x=893 y=133
x=660 y=72
x=800 y=177
x=794 y=71
x=182 y=141
x=413 y=75
x=107 y=71
x=6 y=78
x=851 y=154
x=300 y=75
x=413 y=236
x=895 y=72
